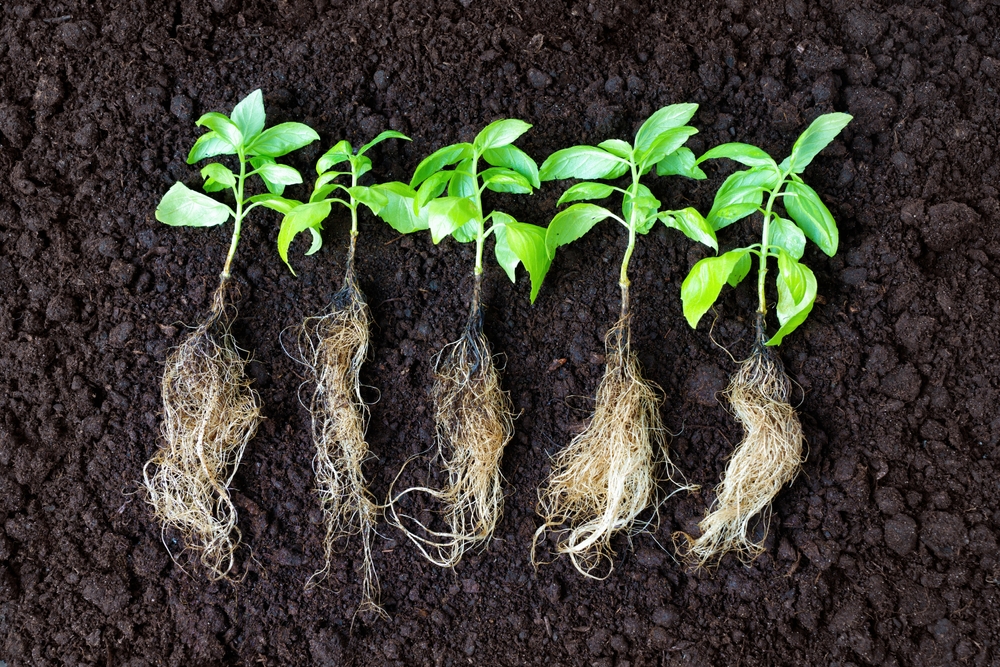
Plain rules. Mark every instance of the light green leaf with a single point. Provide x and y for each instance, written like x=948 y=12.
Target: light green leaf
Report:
x=447 y=214
x=691 y=223
x=506 y=257
x=299 y=219
x=249 y=116
x=582 y=191
x=816 y=137
x=582 y=162
x=209 y=145
x=279 y=174
x=467 y=232
x=812 y=216
x=516 y=159
x=528 y=242
x=740 y=270
x=400 y=210
x=702 y=286
x=183 y=207
x=223 y=127
x=500 y=133
x=370 y=197
x=501 y=179
x=463 y=183
x=680 y=163
x=219 y=173
x=260 y=161
x=617 y=147
x=361 y=165
x=388 y=134
x=742 y=187
x=341 y=152
x=212 y=185
x=745 y=154
x=433 y=187
x=438 y=159
x=796 y=295
x=282 y=139
x=665 y=144
x=646 y=207
x=572 y=223
x=275 y=202
x=665 y=119
x=786 y=235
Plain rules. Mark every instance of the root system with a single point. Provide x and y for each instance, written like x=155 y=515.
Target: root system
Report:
x=210 y=413
x=474 y=424
x=769 y=456
x=609 y=473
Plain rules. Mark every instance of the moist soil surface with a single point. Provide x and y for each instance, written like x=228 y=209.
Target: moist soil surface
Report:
x=883 y=551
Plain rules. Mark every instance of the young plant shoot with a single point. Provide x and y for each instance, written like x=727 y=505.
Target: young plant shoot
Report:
x=608 y=474
x=472 y=414
x=333 y=346
x=210 y=412
x=770 y=454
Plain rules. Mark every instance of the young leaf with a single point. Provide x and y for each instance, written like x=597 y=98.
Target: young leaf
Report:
x=467 y=232
x=745 y=154
x=388 y=134
x=258 y=162
x=400 y=210
x=341 y=152
x=279 y=174
x=691 y=223
x=812 y=216
x=514 y=158
x=572 y=223
x=433 y=187
x=463 y=183
x=249 y=115
x=646 y=206
x=665 y=144
x=742 y=187
x=816 y=137
x=219 y=173
x=680 y=163
x=361 y=164
x=582 y=162
x=183 y=207
x=740 y=270
x=447 y=214
x=582 y=191
x=370 y=197
x=299 y=219
x=282 y=139
x=617 y=147
x=500 y=133
x=438 y=159
x=501 y=179
x=212 y=185
x=787 y=236
x=667 y=118
x=506 y=257
x=796 y=295
x=209 y=145
x=223 y=127
x=528 y=242
x=702 y=286
x=275 y=203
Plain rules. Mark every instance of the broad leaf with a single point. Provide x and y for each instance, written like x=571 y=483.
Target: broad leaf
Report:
x=438 y=159
x=279 y=174
x=276 y=203
x=796 y=295
x=260 y=161
x=572 y=223
x=501 y=179
x=742 y=187
x=223 y=127
x=506 y=257
x=665 y=119
x=680 y=163
x=740 y=270
x=370 y=197
x=249 y=116
x=219 y=173
x=341 y=152
x=500 y=133
x=816 y=137
x=787 y=236
x=467 y=232
x=582 y=191
x=664 y=145
x=528 y=243
x=361 y=165
x=812 y=216
x=582 y=162
x=646 y=206
x=463 y=183
x=433 y=187
x=691 y=223
x=447 y=214
x=702 y=286
x=388 y=134
x=745 y=154
x=299 y=219
x=209 y=145
x=183 y=207
x=400 y=211
x=516 y=159
x=617 y=147
x=282 y=139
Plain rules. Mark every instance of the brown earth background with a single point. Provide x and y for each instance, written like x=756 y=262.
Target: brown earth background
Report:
x=884 y=551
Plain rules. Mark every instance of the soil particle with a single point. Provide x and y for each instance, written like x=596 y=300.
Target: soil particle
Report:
x=900 y=534
x=943 y=533
x=948 y=225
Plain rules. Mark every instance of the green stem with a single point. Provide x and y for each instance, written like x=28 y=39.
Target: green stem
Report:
x=238 y=217
x=765 y=245
x=634 y=190
x=481 y=231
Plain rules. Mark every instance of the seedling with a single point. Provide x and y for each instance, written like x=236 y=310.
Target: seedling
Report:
x=334 y=345
x=472 y=414
x=608 y=474
x=210 y=412
x=771 y=451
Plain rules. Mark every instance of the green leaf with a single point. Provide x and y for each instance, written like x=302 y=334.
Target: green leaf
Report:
x=370 y=197
x=388 y=134
x=816 y=137
x=784 y=234
x=796 y=295
x=467 y=232
x=745 y=154
x=702 y=286
x=361 y=165
x=583 y=162
x=740 y=270
x=299 y=219
x=276 y=203
x=665 y=119
x=212 y=185
x=260 y=161
x=463 y=183
x=572 y=223
x=438 y=159
x=582 y=191
x=209 y=145
x=400 y=210
x=646 y=206
x=501 y=179
x=691 y=223
x=742 y=187
x=665 y=144
x=680 y=163
x=516 y=159
x=447 y=214
x=223 y=127
x=183 y=207
x=282 y=139
x=528 y=242
x=433 y=187
x=219 y=173
x=249 y=116
x=324 y=191
x=506 y=257
x=341 y=152
x=617 y=147
x=279 y=174
x=500 y=133
x=812 y=216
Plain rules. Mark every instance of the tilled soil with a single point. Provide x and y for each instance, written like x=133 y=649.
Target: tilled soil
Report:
x=884 y=551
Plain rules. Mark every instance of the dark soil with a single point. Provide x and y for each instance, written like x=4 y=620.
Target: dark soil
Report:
x=883 y=552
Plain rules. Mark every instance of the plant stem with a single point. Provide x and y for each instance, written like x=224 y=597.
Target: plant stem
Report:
x=623 y=280
x=481 y=231
x=349 y=273
x=765 y=246
x=239 y=218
